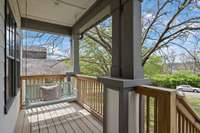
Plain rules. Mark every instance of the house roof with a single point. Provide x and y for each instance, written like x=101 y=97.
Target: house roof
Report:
x=34 y=48
x=30 y=67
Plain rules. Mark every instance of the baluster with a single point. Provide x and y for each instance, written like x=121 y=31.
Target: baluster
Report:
x=147 y=114
x=155 y=116
x=97 y=96
x=183 y=124
x=95 y=102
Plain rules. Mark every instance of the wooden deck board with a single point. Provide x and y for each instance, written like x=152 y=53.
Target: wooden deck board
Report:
x=20 y=121
x=42 y=121
x=57 y=118
x=65 y=121
x=72 y=120
x=50 y=124
x=94 y=124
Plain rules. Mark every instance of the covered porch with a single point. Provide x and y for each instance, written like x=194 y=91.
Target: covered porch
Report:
x=120 y=103
x=85 y=113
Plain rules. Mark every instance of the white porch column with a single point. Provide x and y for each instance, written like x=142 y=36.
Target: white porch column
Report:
x=121 y=109
x=75 y=52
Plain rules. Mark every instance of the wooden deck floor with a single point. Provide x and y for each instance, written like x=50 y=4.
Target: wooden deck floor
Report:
x=58 y=118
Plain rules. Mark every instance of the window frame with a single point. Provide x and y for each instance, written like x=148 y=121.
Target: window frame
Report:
x=11 y=59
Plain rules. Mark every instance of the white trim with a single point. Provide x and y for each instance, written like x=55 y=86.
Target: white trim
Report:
x=15 y=10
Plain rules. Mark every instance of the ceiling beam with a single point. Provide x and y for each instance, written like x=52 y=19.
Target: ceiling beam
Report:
x=31 y=24
x=96 y=13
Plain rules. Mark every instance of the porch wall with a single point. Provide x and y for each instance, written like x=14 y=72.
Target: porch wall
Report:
x=7 y=122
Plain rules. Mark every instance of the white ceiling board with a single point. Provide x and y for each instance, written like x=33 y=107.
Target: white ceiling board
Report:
x=81 y=3
x=62 y=12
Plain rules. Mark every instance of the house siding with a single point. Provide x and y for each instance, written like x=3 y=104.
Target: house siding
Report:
x=8 y=121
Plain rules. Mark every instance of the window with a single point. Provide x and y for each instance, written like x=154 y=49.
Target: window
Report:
x=12 y=58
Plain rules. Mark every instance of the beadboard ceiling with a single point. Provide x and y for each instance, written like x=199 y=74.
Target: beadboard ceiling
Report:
x=62 y=12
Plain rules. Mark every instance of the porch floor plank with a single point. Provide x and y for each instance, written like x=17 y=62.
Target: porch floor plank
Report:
x=20 y=121
x=58 y=118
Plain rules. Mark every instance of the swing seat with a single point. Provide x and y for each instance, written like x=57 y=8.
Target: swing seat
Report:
x=50 y=92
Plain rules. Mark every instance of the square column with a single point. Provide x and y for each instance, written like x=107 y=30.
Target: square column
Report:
x=126 y=39
x=75 y=52
x=121 y=103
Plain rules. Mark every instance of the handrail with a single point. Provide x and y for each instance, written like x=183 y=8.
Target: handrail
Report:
x=160 y=109
x=183 y=101
x=80 y=76
x=43 y=76
x=168 y=111
x=187 y=113
x=153 y=90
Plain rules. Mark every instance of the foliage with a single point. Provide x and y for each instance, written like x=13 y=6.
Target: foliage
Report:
x=164 y=23
x=169 y=23
x=69 y=64
x=173 y=80
x=153 y=66
x=94 y=59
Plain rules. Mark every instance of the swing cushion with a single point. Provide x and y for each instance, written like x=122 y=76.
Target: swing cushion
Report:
x=50 y=92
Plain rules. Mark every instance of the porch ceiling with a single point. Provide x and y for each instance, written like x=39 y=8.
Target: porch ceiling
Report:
x=60 y=12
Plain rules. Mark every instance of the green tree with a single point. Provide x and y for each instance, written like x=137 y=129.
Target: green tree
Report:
x=164 y=23
x=153 y=66
x=94 y=59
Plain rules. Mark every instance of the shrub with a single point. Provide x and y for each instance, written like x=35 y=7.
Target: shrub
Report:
x=173 y=80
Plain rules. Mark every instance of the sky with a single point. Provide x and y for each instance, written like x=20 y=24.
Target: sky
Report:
x=60 y=47
x=149 y=9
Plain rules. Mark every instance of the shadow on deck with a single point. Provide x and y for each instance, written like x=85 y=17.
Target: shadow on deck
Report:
x=58 y=118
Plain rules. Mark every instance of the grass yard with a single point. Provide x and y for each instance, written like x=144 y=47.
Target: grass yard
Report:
x=195 y=103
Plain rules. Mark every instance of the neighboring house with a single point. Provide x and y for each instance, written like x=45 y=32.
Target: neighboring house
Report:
x=34 y=52
x=35 y=62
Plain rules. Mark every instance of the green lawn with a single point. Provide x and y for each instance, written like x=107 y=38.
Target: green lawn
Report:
x=195 y=103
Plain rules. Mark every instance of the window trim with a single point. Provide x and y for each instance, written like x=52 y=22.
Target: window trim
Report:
x=10 y=56
x=5 y=54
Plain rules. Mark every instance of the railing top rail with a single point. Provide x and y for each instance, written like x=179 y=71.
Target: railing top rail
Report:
x=183 y=101
x=153 y=91
x=79 y=76
x=182 y=105
x=42 y=76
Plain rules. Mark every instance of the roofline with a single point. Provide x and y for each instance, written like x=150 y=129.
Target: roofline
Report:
x=27 y=23
x=95 y=14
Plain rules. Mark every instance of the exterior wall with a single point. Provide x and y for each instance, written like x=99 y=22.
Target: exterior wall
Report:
x=34 y=54
x=7 y=121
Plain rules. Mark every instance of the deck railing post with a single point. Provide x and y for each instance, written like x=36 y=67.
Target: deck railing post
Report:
x=75 y=52
x=21 y=96
x=121 y=105
x=160 y=110
x=166 y=105
x=123 y=110
x=127 y=71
